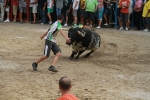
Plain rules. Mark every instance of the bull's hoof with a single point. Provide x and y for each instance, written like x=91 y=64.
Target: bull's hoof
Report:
x=71 y=58
x=76 y=59
x=87 y=55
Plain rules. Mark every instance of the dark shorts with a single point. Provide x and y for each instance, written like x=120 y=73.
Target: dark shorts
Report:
x=49 y=45
x=146 y=20
x=124 y=16
x=82 y=12
x=118 y=12
x=107 y=12
x=91 y=15
x=66 y=12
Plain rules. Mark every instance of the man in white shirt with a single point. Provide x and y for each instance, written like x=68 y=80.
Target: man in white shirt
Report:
x=75 y=8
x=34 y=4
x=2 y=10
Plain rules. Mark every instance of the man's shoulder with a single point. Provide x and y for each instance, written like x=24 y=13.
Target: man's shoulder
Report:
x=68 y=97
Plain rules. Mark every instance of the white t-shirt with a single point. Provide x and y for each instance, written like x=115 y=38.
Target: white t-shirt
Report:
x=22 y=3
x=33 y=5
x=74 y=2
x=49 y=3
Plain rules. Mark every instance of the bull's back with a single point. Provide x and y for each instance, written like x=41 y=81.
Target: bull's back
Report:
x=95 y=41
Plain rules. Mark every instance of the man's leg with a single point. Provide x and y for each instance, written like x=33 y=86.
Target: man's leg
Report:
x=56 y=58
x=2 y=11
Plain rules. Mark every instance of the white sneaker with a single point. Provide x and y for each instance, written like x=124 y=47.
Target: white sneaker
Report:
x=105 y=24
x=42 y=23
x=121 y=28
x=145 y=30
x=98 y=27
x=50 y=23
x=126 y=29
x=7 y=20
x=65 y=24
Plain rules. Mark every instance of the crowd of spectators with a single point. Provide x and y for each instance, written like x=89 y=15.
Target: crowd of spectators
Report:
x=82 y=11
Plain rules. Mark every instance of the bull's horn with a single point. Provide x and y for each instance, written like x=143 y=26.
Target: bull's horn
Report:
x=80 y=33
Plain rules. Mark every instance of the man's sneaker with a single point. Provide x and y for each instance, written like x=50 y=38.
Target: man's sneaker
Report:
x=105 y=24
x=34 y=65
x=121 y=28
x=145 y=30
x=50 y=23
x=7 y=20
x=127 y=29
x=98 y=27
x=65 y=24
x=21 y=21
x=42 y=23
x=53 y=69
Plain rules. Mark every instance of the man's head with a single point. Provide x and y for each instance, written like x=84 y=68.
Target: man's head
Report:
x=64 y=84
x=60 y=17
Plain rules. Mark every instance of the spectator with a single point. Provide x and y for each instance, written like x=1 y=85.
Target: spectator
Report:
x=50 y=44
x=68 y=6
x=7 y=8
x=64 y=87
x=59 y=6
x=42 y=10
x=130 y=12
x=124 y=4
x=146 y=15
x=33 y=5
x=100 y=10
x=107 y=12
x=50 y=9
x=82 y=11
x=118 y=11
x=90 y=8
x=22 y=9
x=15 y=4
x=75 y=8
x=137 y=13
x=1 y=10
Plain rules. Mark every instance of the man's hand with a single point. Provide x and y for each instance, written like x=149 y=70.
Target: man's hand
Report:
x=68 y=40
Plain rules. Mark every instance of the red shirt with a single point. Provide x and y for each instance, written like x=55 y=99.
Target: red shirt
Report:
x=68 y=97
x=124 y=6
x=15 y=2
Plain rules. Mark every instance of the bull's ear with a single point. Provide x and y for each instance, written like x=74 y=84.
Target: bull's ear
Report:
x=80 y=33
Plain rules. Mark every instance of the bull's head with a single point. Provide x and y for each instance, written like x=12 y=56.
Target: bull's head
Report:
x=72 y=34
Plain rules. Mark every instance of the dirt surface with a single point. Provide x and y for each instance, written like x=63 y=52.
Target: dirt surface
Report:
x=119 y=70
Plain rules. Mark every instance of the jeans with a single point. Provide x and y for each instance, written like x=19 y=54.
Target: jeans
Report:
x=2 y=11
x=58 y=11
x=99 y=14
x=42 y=15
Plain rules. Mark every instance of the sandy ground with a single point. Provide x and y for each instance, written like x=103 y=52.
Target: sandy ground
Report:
x=119 y=70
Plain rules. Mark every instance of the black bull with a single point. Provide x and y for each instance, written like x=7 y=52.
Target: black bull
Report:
x=90 y=40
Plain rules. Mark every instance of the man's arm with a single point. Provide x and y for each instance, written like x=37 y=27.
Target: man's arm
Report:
x=148 y=12
x=75 y=5
x=107 y=2
x=36 y=1
x=62 y=33
x=44 y=35
x=44 y=5
x=70 y=8
x=51 y=6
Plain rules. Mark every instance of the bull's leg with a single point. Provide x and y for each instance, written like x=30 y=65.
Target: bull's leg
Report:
x=72 y=55
x=88 y=54
x=79 y=53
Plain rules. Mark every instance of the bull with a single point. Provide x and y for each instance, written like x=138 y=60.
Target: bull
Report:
x=81 y=41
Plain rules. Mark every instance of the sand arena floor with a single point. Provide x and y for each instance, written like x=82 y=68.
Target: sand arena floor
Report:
x=119 y=70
